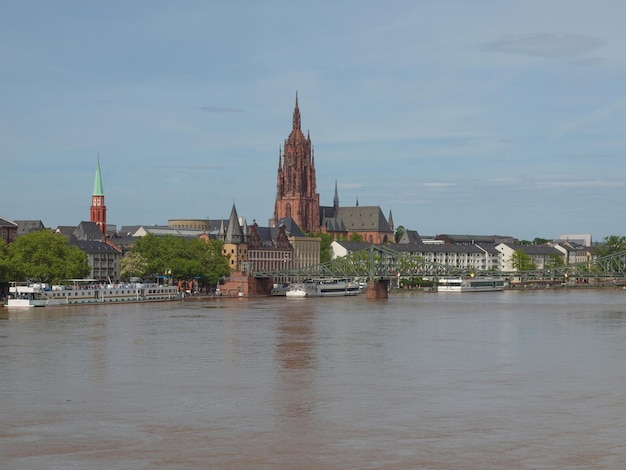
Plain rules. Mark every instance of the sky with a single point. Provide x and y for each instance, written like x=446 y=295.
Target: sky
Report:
x=485 y=117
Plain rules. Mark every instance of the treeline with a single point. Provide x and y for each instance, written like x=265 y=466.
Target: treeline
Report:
x=44 y=256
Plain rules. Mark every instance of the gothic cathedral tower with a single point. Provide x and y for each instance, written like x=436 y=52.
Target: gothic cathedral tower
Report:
x=98 y=211
x=296 y=195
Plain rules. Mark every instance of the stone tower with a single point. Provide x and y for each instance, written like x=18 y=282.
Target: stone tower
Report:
x=296 y=195
x=98 y=211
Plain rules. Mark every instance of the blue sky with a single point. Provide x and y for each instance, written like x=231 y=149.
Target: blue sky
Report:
x=467 y=117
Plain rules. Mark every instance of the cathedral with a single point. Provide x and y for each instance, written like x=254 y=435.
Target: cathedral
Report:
x=297 y=197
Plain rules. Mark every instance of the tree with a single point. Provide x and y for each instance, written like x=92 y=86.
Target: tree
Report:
x=356 y=237
x=521 y=261
x=133 y=264
x=554 y=261
x=43 y=256
x=325 y=250
x=180 y=258
x=399 y=233
x=611 y=244
x=4 y=262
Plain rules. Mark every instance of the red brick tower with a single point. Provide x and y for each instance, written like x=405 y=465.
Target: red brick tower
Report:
x=98 y=211
x=295 y=195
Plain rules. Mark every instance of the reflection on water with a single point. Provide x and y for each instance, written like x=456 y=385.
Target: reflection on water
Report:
x=478 y=381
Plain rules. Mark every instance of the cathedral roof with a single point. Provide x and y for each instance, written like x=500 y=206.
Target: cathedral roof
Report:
x=363 y=218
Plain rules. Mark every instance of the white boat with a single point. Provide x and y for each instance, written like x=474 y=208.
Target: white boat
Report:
x=296 y=291
x=89 y=291
x=25 y=296
x=325 y=288
x=470 y=284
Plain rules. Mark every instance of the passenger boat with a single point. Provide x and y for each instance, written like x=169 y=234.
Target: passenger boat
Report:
x=325 y=288
x=90 y=291
x=470 y=284
x=25 y=296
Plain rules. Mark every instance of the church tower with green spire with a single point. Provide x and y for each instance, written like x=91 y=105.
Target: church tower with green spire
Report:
x=98 y=211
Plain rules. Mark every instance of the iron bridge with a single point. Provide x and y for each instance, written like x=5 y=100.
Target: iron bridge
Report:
x=384 y=263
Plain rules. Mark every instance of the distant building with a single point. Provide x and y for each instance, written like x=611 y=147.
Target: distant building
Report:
x=27 y=226
x=574 y=253
x=103 y=255
x=542 y=255
x=493 y=240
x=583 y=239
x=474 y=257
x=8 y=230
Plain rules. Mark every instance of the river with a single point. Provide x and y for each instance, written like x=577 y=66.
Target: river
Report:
x=501 y=380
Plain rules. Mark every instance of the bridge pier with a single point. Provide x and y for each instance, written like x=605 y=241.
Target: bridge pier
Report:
x=377 y=290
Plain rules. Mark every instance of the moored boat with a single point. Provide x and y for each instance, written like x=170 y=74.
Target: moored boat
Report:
x=470 y=284
x=25 y=296
x=325 y=288
x=86 y=291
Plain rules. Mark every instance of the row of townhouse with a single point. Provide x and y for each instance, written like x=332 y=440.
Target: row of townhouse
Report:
x=479 y=257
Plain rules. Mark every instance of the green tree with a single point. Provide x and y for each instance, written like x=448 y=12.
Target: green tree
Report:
x=356 y=237
x=43 y=256
x=4 y=262
x=180 y=258
x=611 y=244
x=521 y=261
x=554 y=261
x=133 y=264
x=326 y=240
x=399 y=233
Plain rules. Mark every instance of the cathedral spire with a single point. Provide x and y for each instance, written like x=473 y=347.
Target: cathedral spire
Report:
x=296 y=115
x=336 y=199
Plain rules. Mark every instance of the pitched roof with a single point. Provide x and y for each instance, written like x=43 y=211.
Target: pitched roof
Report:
x=7 y=223
x=291 y=228
x=88 y=231
x=410 y=236
x=364 y=218
x=27 y=226
x=93 y=246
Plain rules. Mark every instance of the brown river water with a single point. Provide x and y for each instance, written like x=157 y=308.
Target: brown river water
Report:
x=502 y=380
